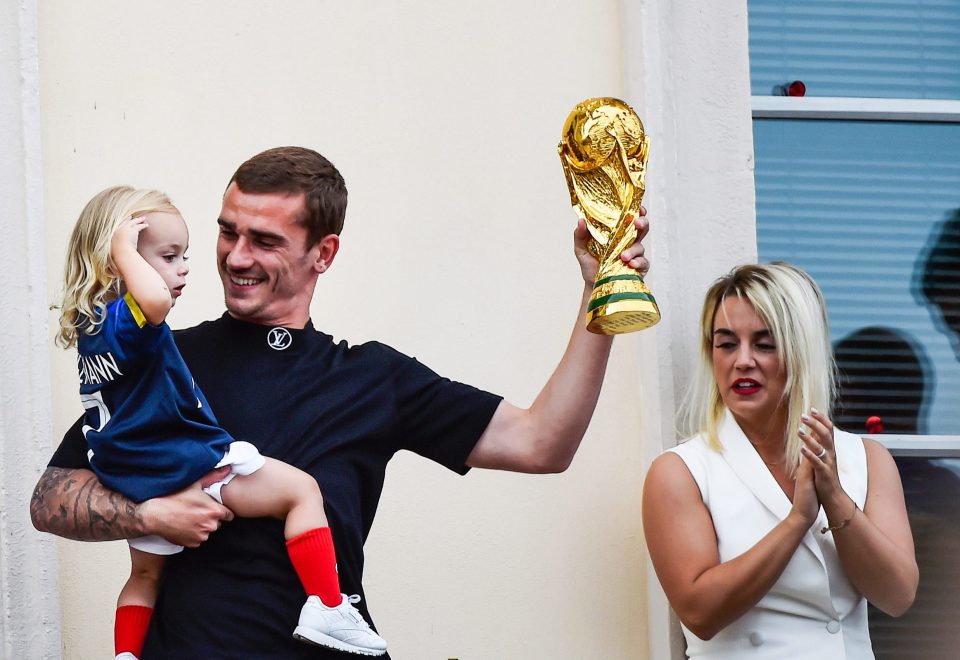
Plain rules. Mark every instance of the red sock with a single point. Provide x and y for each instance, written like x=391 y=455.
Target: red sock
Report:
x=315 y=562
x=130 y=628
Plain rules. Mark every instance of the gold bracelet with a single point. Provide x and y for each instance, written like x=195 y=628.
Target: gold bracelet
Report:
x=833 y=528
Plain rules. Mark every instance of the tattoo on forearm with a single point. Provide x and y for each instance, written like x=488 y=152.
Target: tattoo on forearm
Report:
x=73 y=504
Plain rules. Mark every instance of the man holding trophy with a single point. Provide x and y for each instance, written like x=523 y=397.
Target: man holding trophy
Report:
x=279 y=197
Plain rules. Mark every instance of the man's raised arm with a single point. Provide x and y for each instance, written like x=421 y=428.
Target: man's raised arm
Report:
x=545 y=437
x=71 y=502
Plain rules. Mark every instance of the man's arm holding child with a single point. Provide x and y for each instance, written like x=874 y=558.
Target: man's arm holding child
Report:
x=71 y=502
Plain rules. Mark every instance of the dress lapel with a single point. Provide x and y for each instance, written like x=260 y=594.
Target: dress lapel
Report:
x=746 y=463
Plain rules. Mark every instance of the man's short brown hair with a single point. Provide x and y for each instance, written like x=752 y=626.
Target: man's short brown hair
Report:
x=296 y=170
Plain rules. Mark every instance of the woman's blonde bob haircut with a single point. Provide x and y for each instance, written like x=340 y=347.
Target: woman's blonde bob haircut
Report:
x=791 y=305
x=90 y=278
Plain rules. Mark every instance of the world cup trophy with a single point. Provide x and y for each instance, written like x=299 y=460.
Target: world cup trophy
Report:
x=604 y=155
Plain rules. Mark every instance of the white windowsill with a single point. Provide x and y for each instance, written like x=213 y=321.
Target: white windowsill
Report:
x=929 y=446
x=823 y=107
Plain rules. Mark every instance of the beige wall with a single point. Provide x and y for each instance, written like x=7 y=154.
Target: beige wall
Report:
x=443 y=118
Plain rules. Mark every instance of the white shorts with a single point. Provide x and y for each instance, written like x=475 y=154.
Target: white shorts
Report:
x=243 y=459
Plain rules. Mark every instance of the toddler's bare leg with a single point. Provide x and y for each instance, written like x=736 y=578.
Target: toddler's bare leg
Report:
x=135 y=604
x=144 y=581
x=282 y=491
x=277 y=490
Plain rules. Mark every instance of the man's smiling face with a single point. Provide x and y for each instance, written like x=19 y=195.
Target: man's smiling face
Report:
x=267 y=269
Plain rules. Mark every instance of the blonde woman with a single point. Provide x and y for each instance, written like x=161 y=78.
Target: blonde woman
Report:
x=768 y=528
x=149 y=428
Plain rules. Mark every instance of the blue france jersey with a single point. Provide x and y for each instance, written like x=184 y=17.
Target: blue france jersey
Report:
x=149 y=427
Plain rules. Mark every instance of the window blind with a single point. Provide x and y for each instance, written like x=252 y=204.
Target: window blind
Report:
x=857 y=48
x=871 y=210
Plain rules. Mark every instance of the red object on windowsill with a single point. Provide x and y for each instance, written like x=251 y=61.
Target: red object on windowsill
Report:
x=796 y=88
x=874 y=424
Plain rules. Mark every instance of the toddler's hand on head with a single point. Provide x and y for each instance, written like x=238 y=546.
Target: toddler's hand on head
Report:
x=127 y=233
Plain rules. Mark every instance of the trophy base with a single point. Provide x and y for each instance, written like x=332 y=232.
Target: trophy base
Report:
x=621 y=304
x=614 y=320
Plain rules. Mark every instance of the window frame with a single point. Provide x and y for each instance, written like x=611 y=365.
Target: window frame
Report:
x=855 y=108
x=920 y=446
x=872 y=109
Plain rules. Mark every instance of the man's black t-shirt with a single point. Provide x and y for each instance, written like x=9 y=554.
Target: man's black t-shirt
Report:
x=334 y=411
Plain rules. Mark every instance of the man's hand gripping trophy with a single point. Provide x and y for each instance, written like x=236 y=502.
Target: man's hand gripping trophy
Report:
x=604 y=155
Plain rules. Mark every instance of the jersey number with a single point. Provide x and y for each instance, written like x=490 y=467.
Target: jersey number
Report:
x=95 y=402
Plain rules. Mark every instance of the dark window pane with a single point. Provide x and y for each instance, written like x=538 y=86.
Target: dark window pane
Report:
x=930 y=629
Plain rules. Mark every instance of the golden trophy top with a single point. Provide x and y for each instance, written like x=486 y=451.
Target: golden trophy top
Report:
x=603 y=149
x=593 y=129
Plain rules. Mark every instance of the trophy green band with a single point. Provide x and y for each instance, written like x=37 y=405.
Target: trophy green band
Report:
x=604 y=155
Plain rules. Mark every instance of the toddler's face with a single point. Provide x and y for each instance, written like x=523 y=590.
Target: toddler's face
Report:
x=163 y=244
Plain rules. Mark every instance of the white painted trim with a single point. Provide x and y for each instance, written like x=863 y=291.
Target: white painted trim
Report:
x=928 y=446
x=701 y=202
x=821 y=107
x=29 y=580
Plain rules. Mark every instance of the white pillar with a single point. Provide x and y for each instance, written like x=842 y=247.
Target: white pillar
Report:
x=687 y=75
x=29 y=592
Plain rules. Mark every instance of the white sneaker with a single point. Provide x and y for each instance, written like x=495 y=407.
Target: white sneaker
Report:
x=126 y=655
x=341 y=627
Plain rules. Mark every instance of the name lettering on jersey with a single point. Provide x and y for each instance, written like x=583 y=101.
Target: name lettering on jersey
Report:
x=96 y=369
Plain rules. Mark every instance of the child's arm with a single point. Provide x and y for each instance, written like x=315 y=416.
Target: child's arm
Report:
x=141 y=280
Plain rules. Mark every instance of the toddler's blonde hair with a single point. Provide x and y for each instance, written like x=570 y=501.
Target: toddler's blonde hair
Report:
x=90 y=278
